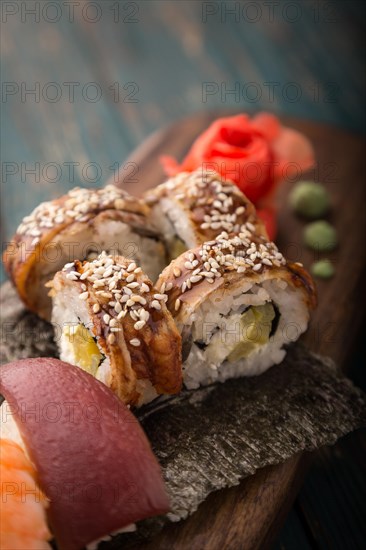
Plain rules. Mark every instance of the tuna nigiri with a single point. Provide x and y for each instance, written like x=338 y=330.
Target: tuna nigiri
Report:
x=92 y=458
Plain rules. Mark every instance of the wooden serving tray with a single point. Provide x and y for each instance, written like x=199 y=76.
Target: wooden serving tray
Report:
x=249 y=516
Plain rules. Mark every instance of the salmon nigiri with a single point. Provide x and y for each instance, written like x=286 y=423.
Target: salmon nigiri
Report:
x=23 y=517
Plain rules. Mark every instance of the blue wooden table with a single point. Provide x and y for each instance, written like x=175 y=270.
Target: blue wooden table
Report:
x=83 y=83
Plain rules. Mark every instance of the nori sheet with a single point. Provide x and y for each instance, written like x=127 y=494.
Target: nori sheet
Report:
x=211 y=438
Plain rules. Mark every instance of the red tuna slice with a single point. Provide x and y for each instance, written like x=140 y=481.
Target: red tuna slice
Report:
x=93 y=460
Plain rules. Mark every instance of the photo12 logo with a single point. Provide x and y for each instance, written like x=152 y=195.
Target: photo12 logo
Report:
x=269 y=11
x=69 y=92
x=270 y=92
x=74 y=172
x=30 y=11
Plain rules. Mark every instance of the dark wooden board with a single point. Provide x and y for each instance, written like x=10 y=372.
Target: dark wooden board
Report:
x=248 y=516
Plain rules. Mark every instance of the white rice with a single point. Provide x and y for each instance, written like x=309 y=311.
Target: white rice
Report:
x=217 y=324
x=171 y=220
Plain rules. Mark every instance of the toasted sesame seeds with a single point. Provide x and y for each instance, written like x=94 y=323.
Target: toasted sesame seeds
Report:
x=226 y=254
x=177 y=272
x=131 y=267
x=138 y=299
x=111 y=338
x=160 y=297
x=84 y=296
x=85 y=275
x=125 y=299
x=162 y=288
x=177 y=304
x=78 y=204
x=135 y=342
x=133 y=285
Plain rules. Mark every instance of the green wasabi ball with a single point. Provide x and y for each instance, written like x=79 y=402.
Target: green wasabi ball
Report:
x=320 y=236
x=310 y=199
x=324 y=269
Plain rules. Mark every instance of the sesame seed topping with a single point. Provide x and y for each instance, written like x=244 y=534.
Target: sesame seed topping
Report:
x=84 y=296
x=131 y=267
x=111 y=338
x=177 y=272
x=226 y=254
x=135 y=342
x=79 y=204
x=177 y=304
x=96 y=308
x=118 y=307
x=160 y=297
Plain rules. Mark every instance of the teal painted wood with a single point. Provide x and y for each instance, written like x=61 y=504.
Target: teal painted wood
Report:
x=167 y=58
x=176 y=58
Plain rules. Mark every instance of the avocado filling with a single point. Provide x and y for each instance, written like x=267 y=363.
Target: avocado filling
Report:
x=83 y=347
x=256 y=327
x=177 y=248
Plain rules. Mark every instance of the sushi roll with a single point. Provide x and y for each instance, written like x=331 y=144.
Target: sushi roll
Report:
x=23 y=505
x=237 y=304
x=192 y=208
x=90 y=463
x=79 y=225
x=110 y=321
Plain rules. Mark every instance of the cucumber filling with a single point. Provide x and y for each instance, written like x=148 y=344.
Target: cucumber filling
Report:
x=256 y=327
x=240 y=334
x=177 y=248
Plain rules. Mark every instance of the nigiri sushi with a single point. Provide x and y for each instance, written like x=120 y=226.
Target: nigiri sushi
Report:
x=91 y=458
x=23 y=522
